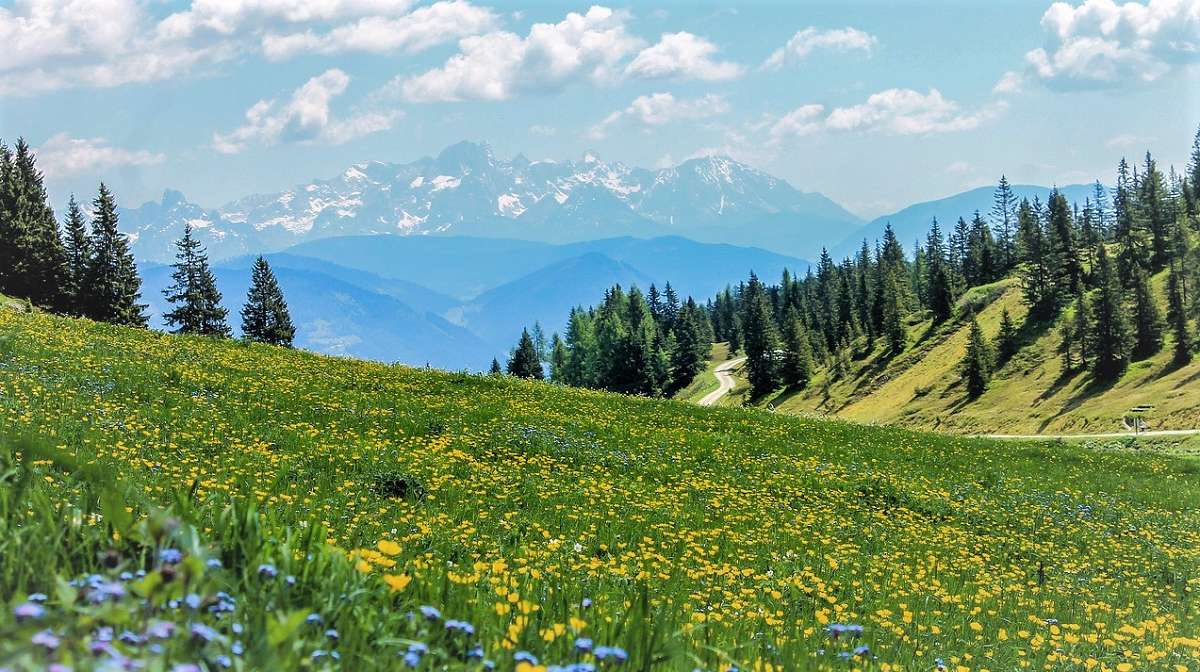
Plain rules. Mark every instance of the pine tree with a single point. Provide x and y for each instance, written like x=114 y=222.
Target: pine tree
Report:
x=690 y=348
x=539 y=341
x=1147 y=322
x=893 y=319
x=1007 y=344
x=112 y=284
x=265 y=317
x=1155 y=213
x=194 y=292
x=977 y=365
x=1082 y=328
x=797 y=358
x=761 y=338
x=1194 y=169
x=558 y=359
x=1037 y=281
x=1062 y=255
x=938 y=283
x=1110 y=327
x=1004 y=216
x=35 y=264
x=495 y=370
x=78 y=254
x=524 y=362
x=1177 y=318
x=670 y=307
x=864 y=300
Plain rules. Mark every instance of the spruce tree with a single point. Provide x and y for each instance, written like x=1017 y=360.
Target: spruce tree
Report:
x=1007 y=344
x=558 y=359
x=112 y=287
x=32 y=253
x=938 y=283
x=690 y=349
x=265 y=316
x=797 y=359
x=1177 y=318
x=524 y=362
x=977 y=365
x=1004 y=216
x=1147 y=322
x=78 y=254
x=1110 y=327
x=893 y=318
x=495 y=370
x=1082 y=328
x=761 y=338
x=194 y=292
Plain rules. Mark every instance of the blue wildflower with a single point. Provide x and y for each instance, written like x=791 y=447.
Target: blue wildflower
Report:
x=525 y=656
x=583 y=645
x=160 y=630
x=314 y=619
x=192 y=601
x=170 y=556
x=213 y=563
x=203 y=633
x=430 y=613
x=28 y=610
x=616 y=653
x=238 y=648
x=268 y=570
x=331 y=633
x=46 y=639
x=223 y=661
x=37 y=597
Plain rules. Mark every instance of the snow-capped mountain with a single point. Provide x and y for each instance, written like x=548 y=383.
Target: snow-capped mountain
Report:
x=466 y=190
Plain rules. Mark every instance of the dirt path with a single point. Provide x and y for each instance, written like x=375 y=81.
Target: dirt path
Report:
x=725 y=380
x=1112 y=435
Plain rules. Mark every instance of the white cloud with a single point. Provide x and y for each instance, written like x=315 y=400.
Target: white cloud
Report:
x=421 y=29
x=497 y=65
x=306 y=117
x=684 y=56
x=804 y=120
x=662 y=108
x=1009 y=82
x=226 y=17
x=1102 y=44
x=810 y=39
x=62 y=156
x=894 y=111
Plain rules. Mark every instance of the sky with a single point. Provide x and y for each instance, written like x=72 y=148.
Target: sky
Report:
x=875 y=104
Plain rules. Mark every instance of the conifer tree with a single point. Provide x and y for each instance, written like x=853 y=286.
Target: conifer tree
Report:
x=864 y=299
x=690 y=348
x=893 y=319
x=78 y=254
x=1062 y=255
x=558 y=359
x=32 y=255
x=1004 y=216
x=977 y=365
x=797 y=359
x=939 y=289
x=524 y=362
x=1006 y=341
x=539 y=340
x=1177 y=318
x=761 y=338
x=1147 y=322
x=1082 y=328
x=1110 y=328
x=670 y=306
x=495 y=370
x=112 y=286
x=194 y=292
x=265 y=317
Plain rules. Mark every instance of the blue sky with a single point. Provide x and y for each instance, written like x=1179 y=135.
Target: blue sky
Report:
x=875 y=104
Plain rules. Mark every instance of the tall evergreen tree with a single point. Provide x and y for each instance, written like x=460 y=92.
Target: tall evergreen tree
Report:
x=978 y=362
x=524 y=362
x=495 y=370
x=1147 y=322
x=1004 y=219
x=31 y=254
x=1007 y=340
x=1066 y=271
x=761 y=338
x=864 y=300
x=1037 y=280
x=1111 y=329
x=938 y=282
x=1155 y=213
x=670 y=306
x=558 y=359
x=893 y=317
x=194 y=292
x=691 y=349
x=1178 y=319
x=265 y=317
x=112 y=285
x=797 y=359
x=78 y=254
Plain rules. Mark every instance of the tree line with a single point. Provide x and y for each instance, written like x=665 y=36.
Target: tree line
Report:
x=86 y=269
x=1090 y=268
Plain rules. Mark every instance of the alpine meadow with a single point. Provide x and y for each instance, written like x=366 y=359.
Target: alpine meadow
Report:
x=856 y=337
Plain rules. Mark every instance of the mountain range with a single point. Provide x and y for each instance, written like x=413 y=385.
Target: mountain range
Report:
x=373 y=296
x=466 y=191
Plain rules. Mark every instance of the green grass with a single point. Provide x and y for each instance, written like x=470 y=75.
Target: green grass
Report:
x=699 y=537
x=707 y=381
x=921 y=388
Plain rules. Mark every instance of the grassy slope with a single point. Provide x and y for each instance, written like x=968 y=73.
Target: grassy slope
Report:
x=921 y=388
x=729 y=535
x=707 y=381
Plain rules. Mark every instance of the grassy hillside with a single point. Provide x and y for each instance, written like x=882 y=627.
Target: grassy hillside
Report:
x=921 y=388
x=545 y=516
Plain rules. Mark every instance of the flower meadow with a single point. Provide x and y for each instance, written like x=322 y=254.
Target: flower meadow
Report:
x=175 y=503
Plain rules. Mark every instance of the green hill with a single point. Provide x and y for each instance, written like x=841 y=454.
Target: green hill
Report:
x=922 y=387
x=347 y=495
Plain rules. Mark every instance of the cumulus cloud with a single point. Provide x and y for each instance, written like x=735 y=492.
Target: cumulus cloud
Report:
x=226 y=17
x=811 y=39
x=683 y=56
x=421 y=29
x=305 y=117
x=1009 y=82
x=62 y=155
x=497 y=65
x=662 y=108
x=1103 y=44
x=894 y=111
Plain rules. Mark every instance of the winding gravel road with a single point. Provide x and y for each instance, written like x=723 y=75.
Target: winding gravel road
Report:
x=725 y=380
